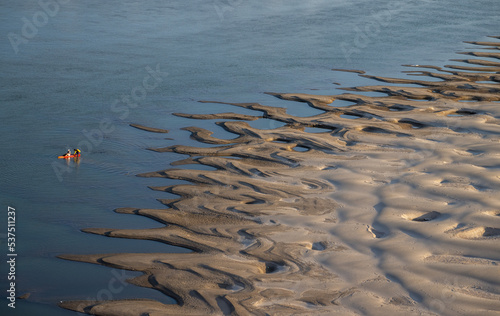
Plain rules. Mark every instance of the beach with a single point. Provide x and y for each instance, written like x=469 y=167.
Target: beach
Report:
x=385 y=204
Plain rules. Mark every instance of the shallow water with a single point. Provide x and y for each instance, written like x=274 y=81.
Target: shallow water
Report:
x=60 y=87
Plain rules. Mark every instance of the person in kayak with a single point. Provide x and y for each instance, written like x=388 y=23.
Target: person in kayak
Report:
x=77 y=152
x=68 y=153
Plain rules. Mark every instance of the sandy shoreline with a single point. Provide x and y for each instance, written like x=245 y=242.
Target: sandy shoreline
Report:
x=394 y=211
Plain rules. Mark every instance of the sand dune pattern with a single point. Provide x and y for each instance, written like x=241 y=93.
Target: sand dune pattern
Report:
x=390 y=207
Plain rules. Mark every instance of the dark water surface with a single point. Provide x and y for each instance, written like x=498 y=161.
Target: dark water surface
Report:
x=78 y=73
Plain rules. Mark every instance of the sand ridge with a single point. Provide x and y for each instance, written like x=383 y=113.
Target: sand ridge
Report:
x=394 y=209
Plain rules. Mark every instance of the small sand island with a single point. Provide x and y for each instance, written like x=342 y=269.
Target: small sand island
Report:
x=389 y=206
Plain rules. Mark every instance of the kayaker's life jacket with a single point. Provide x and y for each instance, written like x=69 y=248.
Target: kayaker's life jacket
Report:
x=77 y=152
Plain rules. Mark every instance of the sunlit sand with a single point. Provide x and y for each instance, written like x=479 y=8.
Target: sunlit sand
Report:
x=394 y=210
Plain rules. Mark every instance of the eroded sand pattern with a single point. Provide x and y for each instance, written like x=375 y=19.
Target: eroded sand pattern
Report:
x=394 y=210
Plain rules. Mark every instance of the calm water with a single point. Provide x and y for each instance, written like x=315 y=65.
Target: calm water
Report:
x=80 y=74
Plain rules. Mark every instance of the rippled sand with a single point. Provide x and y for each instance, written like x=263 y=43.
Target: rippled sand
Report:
x=393 y=210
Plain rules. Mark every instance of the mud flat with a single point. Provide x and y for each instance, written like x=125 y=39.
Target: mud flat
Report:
x=392 y=207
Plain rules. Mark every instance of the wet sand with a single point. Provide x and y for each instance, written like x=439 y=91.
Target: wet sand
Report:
x=391 y=207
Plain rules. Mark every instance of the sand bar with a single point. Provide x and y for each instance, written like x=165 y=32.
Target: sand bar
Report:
x=392 y=207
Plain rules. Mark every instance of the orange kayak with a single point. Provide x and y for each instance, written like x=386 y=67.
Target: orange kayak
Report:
x=70 y=156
